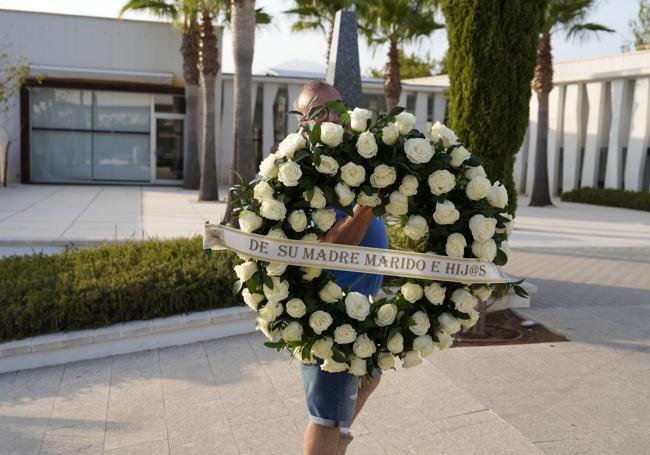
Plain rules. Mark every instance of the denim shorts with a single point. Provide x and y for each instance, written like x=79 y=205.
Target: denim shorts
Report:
x=331 y=397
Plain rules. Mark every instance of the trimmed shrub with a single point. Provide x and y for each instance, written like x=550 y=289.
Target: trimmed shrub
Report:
x=609 y=197
x=112 y=283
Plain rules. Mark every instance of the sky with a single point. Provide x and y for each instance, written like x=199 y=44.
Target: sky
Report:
x=275 y=43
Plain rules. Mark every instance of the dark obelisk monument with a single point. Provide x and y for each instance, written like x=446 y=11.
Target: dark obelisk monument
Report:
x=343 y=71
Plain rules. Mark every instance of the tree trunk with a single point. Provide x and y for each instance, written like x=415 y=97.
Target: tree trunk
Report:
x=243 y=43
x=191 y=74
x=542 y=84
x=392 y=79
x=208 y=188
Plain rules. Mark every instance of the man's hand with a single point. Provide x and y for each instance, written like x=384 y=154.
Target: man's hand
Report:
x=351 y=229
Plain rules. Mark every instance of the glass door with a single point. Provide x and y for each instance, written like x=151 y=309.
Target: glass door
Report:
x=168 y=147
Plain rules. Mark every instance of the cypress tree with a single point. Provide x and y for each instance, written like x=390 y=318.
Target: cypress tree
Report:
x=491 y=59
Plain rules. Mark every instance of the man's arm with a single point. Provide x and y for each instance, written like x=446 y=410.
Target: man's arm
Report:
x=351 y=229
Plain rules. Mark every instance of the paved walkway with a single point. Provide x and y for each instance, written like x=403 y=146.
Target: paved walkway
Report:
x=588 y=396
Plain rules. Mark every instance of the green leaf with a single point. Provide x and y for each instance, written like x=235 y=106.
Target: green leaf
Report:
x=300 y=155
x=396 y=111
x=501 y=258
x=314 y=136
x=336 y=106
x=521 y=292
x=268 y=282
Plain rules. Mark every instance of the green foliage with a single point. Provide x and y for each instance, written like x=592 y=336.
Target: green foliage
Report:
x=12 y=78
x=640 y=28
x=412 y=66
x=570 y=16
x=609 y=197
x=112 y=283
x=316 y=14
x=492 y=55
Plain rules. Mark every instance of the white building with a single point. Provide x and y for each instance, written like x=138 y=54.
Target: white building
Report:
x=111 y=109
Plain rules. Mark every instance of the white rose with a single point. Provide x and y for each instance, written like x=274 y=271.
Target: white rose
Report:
x=331 y=292
x=463 y=299
x=508 y=224
x=331 y=134
x=318 y=200
x=448 y=323
x=345 y=334
x=366 y=145
x=322 y=348
x=390 y=134
x=386 y=361
x=458 y=156
x=398 y=204
x=416 y=227
x=296 y=308
x=311 y=237
x=505 y=247
x=251 y=299
x=395 y=343
x=249 y=221
x=328 y=165
x=275 y=269
x=319 y=321
x=446 y=213
x=498 y=195
x=441 y=182
x=298 y=220
x=292 y=332
x=270 y=311
x=332 y=366
x=263 y=326
x=456 y=244
x=324 y=218
x=276 y=233
x=246 y=270
x=273 y=209
x=478 y=188
x=440 y=131
x=444 y=340
x=357 y=306
x=409 y=186
x=291 y=144
x=268 y=167
x=405 y=121
x=418 y=150
x=486 y=251
x=279 y=292
x=482 y=228
x=310 y=273
x=359 y=119
x=412 y=292
x=411 y=359
x=357 y=366
x=306 y=359
x=424 y=345
x=262 y=190
x=368 y=201
x=473 y=319
x=289 y=173
x=383 y=176
x=346 y=196
x=353 y=174
x=483 y=293
x=364 y=347
x=435 y=293
x=422 y=323
x=474 y=171
x=386 y=314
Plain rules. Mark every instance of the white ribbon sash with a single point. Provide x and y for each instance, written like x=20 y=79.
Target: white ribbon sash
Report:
x=353 y=258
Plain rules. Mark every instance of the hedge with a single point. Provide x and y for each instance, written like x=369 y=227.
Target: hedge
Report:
x=112 y=283
x=609 y=197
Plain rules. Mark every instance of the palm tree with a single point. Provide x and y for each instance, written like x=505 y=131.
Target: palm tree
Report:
x=560 y=15
x=183 y=13
x=318 y=15
x=396 y=22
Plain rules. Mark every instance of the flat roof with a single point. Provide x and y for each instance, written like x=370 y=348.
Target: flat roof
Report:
x=86 y=16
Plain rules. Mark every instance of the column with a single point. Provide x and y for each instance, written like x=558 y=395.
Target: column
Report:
x=421 y=99
x=270 y=90
x=439 y=107
x=292 y=122
x=594 y=134
x=555 y=132
x=224 y=159
x=532 y=145
x=572 y=136
x=639 y=136
x=519 y=172
x=402 y=99
x=621 y=91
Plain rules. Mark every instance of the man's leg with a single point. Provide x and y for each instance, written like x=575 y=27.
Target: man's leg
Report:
x=320 y=440
x=364 y=392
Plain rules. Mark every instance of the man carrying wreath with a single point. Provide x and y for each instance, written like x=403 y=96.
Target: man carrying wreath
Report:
x=335 y=399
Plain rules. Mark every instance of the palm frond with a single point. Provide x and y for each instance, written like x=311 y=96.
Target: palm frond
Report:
x=583 y=31
x=159 y=8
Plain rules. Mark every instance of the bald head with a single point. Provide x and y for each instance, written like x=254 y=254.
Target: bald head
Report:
x=321 y=92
